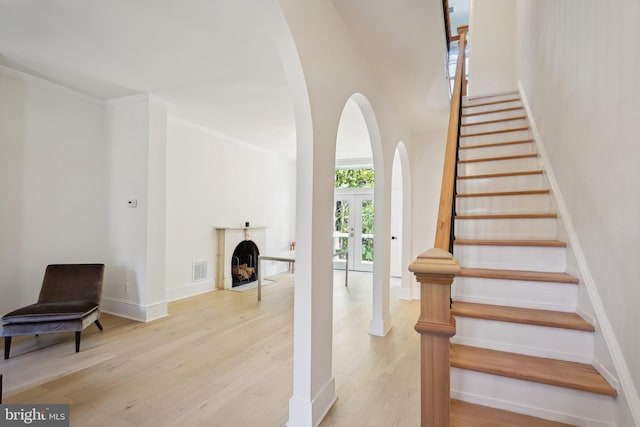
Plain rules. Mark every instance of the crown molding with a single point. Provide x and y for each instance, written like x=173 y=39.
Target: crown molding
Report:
x=49 y=85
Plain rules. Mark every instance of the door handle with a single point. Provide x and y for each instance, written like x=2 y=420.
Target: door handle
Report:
x=394 y=238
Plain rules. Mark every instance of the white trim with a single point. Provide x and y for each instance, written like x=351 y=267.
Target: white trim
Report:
x=588 y=317
x=189 y=290
x=127 y=100
x=50 y=85
x=355 y=163
x=134 y=311
x=608 y=375
x=619 y=363
x=219 y=135
x=380 y=326
x=528 y=410
x=304 y=413
x=405 y=294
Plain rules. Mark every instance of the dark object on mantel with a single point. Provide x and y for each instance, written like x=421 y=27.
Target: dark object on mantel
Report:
x=69 y=301
x=247 y=224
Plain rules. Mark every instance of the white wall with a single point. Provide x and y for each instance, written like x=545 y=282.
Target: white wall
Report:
x=491 y=47
x=427 y=165
x=579 y=70
x=51 y=183
x=135 y=152
x=214 y=182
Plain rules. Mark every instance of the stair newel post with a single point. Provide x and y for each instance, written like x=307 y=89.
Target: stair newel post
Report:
x=435 y=270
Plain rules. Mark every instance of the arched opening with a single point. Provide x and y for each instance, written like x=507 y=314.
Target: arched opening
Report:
x=360 y=214
x=395 y=264
x=354 y=207
x=401 y=221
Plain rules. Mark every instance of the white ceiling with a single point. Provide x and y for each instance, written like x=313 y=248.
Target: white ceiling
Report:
x=212 y=60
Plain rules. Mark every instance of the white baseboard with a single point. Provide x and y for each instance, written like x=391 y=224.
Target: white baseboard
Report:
x=380 y=326
x=134 y=311
x=189 y=290
x=619 y=363
x=305 y=413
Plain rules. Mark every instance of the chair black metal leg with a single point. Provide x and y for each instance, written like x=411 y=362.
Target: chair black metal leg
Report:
x=97 y=322
x=78 y=333
x=7 y=347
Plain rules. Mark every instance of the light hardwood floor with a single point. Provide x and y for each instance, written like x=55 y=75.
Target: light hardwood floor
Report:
x=222 y=359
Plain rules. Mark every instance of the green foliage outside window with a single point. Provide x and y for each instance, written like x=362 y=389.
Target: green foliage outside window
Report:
x=355 y=178
x=367 y=228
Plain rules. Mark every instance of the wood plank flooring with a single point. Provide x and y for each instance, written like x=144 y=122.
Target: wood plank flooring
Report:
x=222 y=359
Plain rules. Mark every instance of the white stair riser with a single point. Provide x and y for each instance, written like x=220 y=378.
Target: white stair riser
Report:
x=507 y=183
x=520 y=229
x=529 y=258
x=498 y=166
x=499 y=151
x=516 y=293
x=492 y=107
x=559 y=403
x=471 y=100
x=541 y=341
x=492 y=116
x=470 y=141
x=505 y=204
x=490 y=127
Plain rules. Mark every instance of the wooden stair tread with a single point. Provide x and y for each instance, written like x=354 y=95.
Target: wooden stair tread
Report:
x=505 y=193
x=501 y=174
x=501 y=110
x=493 y=132
x=465 y=414
x=530 y=276
x=492 y=159
x=526 y=316
x=577 y=376
x=469 y=98
x=489 y=122
x=502 y=101
x=509 y=216
x=486 y=242
x=495 y=144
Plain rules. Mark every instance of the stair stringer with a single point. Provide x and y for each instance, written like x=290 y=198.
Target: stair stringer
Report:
x=608 y=358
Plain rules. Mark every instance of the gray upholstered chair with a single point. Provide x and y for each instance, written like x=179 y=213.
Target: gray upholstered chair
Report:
x=69 y=301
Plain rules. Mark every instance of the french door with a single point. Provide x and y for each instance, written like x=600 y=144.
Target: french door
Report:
x=353 y=230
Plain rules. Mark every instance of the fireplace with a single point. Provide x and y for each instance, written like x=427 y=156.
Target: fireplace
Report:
x=244 y=263
x=228 y=239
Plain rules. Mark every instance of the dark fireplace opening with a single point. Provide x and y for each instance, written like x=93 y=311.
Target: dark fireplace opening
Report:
x=244 y=263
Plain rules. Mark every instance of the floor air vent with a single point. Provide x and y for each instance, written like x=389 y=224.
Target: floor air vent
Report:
x=199 y=270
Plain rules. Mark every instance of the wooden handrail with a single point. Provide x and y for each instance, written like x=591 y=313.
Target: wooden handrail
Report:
x=447 y=22
x=443 y=226
x=435 y=270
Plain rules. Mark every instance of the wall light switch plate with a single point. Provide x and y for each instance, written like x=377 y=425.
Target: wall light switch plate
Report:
x=132 y=203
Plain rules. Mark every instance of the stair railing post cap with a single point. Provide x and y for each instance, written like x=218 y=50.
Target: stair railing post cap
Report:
x=435 y=261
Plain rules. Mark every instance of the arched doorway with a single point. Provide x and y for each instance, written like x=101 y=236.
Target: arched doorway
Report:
x=354 y=208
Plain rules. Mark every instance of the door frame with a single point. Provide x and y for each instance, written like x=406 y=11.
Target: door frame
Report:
x=355 y=196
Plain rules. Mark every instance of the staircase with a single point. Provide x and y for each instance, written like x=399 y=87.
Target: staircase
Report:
x=519 y=345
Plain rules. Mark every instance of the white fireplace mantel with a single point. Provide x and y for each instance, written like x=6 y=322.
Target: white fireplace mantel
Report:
x=227 y=240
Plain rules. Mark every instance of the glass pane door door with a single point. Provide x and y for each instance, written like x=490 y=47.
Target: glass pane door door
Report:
x=342 y=231
x=353 y=230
